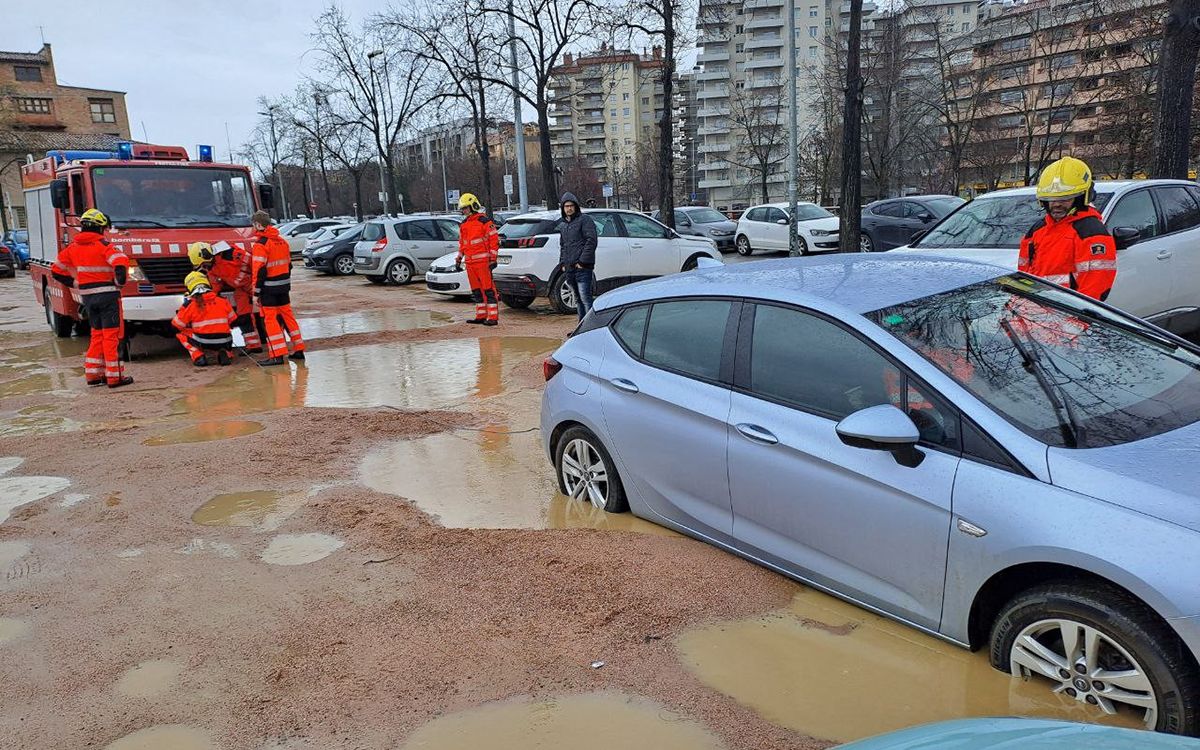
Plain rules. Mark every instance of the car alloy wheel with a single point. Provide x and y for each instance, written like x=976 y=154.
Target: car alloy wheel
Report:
x=742 y=245
x=399 y=272
x=1087 y=664
x=565 y=294
x=343 y=265
x=865 y=244
x=584 y=473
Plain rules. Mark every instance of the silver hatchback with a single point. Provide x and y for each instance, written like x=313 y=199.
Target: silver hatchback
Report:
x=981 y=455
x=395 y=251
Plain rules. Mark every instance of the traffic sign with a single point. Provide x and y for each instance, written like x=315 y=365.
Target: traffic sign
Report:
x=508 y=186
x=452 y=197
x=608 y=191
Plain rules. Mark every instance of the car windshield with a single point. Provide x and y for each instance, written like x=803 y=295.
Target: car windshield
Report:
x=991 y=222
x=173 y=196
x=806 y=211
x=943 y=206
x=517 y=228
x=1056 y=365
x=704 y=216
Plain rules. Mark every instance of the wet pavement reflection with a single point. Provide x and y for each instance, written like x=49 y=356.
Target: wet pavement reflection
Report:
x=239 y=509
x=300 y=549
x=203 y=432
x=410 y=375
x=593 y=721
x=486 y=480
x=828 y=669
x=370 y=321
x=18 y=491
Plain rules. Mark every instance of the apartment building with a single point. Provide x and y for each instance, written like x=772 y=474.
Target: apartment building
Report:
x=606 y=107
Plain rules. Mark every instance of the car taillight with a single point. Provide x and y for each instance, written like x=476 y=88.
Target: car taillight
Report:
x=379 y=246
x=532 y=241
x=550 y=367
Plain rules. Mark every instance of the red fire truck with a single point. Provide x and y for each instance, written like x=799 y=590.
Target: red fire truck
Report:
x=157 y=200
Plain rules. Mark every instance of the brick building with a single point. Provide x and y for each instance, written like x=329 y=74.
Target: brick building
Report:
x=37 y=114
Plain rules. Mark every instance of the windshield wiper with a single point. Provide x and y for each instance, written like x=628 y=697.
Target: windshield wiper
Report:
x=1113 y=321
x=1064 y=408
x=140 y=222
x=210 y=222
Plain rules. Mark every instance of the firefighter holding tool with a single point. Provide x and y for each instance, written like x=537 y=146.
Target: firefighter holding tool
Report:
x=229 y=270
x=272 y=278
x=204 y=322
x=97 y=271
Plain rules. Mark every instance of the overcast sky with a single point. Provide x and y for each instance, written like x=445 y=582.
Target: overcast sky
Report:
x=188 y=66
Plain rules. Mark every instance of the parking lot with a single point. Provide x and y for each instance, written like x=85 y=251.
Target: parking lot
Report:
x=368 y=550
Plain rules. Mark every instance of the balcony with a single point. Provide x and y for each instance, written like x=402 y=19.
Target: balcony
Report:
x=766 y=42
x=713 y=74
x=713 y=54
x=592 y=147
x=562 y=123
x=713 y=112
x=714 y=148
x=775 y=62
x=764 y=22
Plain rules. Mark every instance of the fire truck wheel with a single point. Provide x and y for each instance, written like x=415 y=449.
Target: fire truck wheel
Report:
x=82 y=328
x=123 y=350
x=60 y=324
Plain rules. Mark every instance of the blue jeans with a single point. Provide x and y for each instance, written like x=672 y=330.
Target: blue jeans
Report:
x=582 y=281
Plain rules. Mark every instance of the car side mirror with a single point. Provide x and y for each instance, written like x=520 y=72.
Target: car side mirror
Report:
x=60 y=196
x=882 y=428
x=925 y=217
x=782 y=222
x=266 y=196
x=917 y=235
x=1126 y=236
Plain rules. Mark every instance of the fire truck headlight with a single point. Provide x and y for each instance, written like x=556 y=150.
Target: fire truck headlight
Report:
x=136 y=273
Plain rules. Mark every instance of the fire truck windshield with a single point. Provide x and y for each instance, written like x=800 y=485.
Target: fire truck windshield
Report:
x=170 y=196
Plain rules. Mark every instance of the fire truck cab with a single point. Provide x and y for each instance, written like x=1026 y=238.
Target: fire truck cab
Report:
x=157 y=200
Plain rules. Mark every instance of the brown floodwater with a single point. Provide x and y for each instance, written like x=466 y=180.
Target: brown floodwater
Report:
x=238 y=509
x=207 y=431
x=300 y=549
x=371 y=321
x=150 y=678
x=165 y=737
x=829 y=669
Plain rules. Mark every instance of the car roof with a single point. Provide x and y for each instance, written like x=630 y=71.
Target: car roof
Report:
x=555 y=215
x=1102 y=186
x=851 y=282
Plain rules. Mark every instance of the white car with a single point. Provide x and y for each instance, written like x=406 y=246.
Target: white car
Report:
x=396 y=250
x=443 y=277
x=631 y=247
x=297 y=232
x=325 y=234
x=1156 y=224
x=765 y=228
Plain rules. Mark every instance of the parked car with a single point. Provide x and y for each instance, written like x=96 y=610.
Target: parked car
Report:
x=335 y=255
x=325 y=234
x=18 y=241
x=891 y=223
x=702 y=221
x=8 y=261
x=631 y=247
x=980 y=454
x=766 y=228
x=296 y=233
x=1156 y=224
x=396 y=250
x=1026 y=734
x=443 y=277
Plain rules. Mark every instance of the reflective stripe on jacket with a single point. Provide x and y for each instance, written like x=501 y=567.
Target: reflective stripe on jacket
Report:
x=478 y=240
x=232 y=269
x=272 y=263
x=208 y=319
x=91 y=263
x=1077 y=252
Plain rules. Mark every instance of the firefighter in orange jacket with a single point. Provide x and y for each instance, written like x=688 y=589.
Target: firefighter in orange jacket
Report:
x=98 y=270
x=204 y=322
x=1071 y=246
x=228 y=270
x=478 y=247
x=272 y=274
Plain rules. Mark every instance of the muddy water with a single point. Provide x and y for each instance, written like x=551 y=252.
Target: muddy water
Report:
x=203 y=432
x=457 y=478
x=300 y=549
x=238 y=509
x=593 y=721
x=18 y=491
x=13 y=353
x=831 y=670
x=23 y=386
x=370 y=321
x=165 y=737
x=149 y=678
x=410 y=375
x=37 y=425
x=8 y=463
x=12 y=629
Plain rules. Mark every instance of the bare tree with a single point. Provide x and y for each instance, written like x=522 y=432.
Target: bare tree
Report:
x=850 y=226
x=757 y=128
x=1176 y=86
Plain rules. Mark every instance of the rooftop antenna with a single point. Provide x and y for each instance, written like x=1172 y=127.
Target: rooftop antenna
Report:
x=42 y=33
x=146 y=137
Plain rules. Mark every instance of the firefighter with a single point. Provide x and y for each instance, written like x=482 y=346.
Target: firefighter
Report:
x=204 y=322
x=272 y=275
x=98 y=270
x=1070 y=246
x=478 y=246
x=229 y=271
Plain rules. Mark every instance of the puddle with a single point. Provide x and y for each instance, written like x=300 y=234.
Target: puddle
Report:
x=10 y=552
x=37 y=425
x=814 y=667
x=39 y=354
x=8 y=463
x=408 y=375
x=18 y=491
x=199 y=546
x=11 y=629
x=455 y=477
x=23 y=386
x=300 y=549
x=264 y=509
x=593 y=721
x=42 y=409
x=149 y=678
x=370 y=321
x=203 y=432
x=165 y=737
x=71 y=499
x=130 y=553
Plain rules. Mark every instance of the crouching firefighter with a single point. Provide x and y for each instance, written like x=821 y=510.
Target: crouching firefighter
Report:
x=204 y=322
x=228 y=269
x=478 y=246
x=98 y=271
x=272 y=271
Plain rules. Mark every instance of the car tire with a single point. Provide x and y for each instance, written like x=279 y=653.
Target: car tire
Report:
x=82 y=327
x=399 y=272
x=742 y=246
x=801 y=245
x=865 y=243
x=516 y=303
x=692 y=263
x=342 y=265
x=562 y=296
x=60 y=324
x=377 y=279
x=1129 y=637
x=586 y=471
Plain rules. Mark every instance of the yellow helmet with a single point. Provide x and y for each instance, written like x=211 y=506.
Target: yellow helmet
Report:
x=197 y=283
x=1066 y=178
x=93 y=218
x=468 y=200
x=200 y=253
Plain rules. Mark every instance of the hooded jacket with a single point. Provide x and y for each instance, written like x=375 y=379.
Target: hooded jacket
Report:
x=577 y=237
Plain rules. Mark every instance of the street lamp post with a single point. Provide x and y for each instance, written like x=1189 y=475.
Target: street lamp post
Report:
x=383 y=186
x=792 y=145
x=270 y=115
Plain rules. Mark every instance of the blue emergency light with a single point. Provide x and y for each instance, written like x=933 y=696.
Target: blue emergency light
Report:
x=206 y=153
x=125 y=151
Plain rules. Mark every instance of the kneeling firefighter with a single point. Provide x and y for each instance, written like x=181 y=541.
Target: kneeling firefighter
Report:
x=228 y=269
x=204 y=322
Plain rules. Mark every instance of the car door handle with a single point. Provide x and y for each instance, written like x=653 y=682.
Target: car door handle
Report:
x=757 y=434
x=622 y=384
x=635 y=244
x=1164 y=255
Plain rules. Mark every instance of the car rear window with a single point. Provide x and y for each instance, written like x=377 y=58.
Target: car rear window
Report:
x=372 y=232
x=517 y=228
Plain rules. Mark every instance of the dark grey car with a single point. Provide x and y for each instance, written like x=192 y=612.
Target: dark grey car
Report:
x=892 y=223
x=702 y=221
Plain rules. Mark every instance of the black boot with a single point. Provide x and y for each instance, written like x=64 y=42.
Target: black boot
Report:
x=491 y=322
x=477 y=321
x=272 y=362
x=298 y=356
x=201 y=361
x=125 y=380
x=223 y=358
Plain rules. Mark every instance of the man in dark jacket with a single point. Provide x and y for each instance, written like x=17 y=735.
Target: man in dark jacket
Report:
x=577 y=252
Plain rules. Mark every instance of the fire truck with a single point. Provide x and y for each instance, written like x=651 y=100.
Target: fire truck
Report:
x=157 y=200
